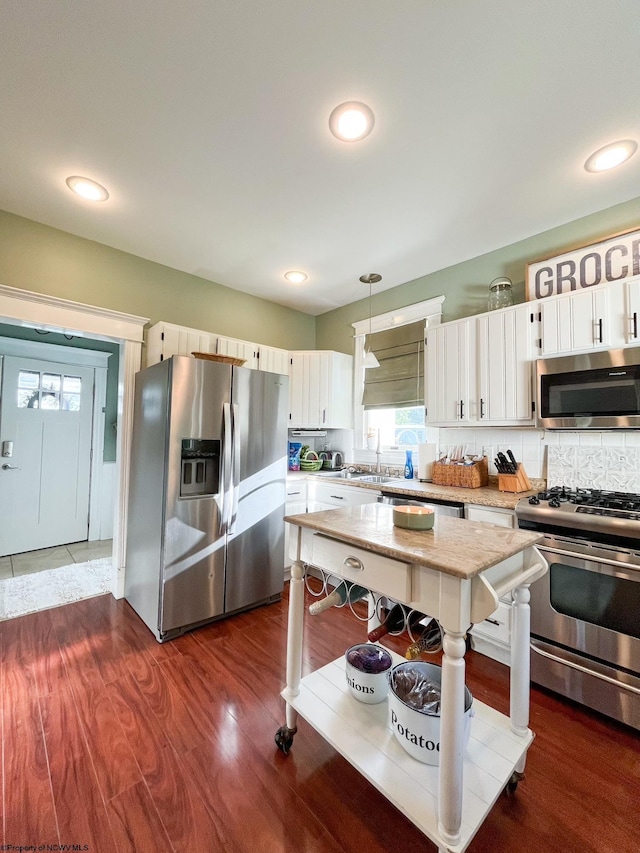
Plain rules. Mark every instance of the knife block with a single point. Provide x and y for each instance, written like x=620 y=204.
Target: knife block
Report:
x=518 y=482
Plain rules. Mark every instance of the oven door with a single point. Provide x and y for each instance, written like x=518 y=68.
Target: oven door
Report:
x=585 y=628
x=589 y=603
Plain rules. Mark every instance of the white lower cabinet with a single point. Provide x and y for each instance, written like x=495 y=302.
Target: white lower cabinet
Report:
x=493 y=636
x=296 y=504
x=329 y=495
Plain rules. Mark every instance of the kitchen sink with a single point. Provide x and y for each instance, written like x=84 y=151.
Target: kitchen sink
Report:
x=360 y=476
x=341 y=475
x=377 y=478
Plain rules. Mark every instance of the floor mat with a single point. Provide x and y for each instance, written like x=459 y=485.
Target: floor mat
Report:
x=53 y=587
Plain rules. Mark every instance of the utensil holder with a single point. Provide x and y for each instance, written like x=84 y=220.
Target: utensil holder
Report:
x=518 y=482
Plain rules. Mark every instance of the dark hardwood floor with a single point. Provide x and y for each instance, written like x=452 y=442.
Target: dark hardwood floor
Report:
x=113 y=741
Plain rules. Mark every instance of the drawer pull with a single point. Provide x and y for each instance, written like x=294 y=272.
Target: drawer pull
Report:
x=493 y=621
x=289 y=494
x=354 y=563
x=337 y=497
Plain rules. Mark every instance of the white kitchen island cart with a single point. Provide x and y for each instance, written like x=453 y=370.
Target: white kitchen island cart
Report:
x=456 y=573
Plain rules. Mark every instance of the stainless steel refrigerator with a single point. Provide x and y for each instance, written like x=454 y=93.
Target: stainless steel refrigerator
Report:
x=205 y=531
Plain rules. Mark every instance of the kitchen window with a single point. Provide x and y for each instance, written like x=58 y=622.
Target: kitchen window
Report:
x=393 y=393
x=390 y=398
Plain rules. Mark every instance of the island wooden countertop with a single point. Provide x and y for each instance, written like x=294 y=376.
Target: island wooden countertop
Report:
x=455 y=546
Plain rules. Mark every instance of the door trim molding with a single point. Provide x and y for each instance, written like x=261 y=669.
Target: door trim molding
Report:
x=37 y=310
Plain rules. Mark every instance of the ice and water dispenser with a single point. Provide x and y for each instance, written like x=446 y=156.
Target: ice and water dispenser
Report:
x=200 y=467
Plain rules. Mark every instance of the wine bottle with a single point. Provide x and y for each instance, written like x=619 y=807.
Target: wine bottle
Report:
x=430 y=642
x=396 y=622
x=341 y=594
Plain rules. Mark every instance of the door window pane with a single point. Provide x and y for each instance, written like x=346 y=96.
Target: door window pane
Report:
x=28 y=389
x=50 y=391
x=71 y=389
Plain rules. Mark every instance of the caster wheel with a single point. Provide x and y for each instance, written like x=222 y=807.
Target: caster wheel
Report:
x=512 y=784
x=284 y=739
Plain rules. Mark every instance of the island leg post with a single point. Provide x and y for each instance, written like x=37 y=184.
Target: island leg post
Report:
x=295 y=627
x=451 y=737
x=520 y=667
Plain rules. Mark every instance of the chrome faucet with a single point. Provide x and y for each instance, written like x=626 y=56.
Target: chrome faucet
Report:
x=378 y=455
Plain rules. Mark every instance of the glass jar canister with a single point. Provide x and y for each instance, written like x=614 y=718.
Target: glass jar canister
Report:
x=500 y=293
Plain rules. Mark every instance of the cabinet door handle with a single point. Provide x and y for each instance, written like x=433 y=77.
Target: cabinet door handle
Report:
x=353 y=563
x=493 y=621
x=599 y=340
x=337 y=497
x=481 y=407
x=324 y=416
x=290 y=494
x=461 y=409
x=635 y=324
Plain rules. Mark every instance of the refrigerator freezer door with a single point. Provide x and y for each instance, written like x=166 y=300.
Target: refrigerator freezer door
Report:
x=192 y=583
x=255 y=548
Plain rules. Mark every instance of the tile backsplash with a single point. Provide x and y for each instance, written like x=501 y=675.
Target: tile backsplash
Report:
x=589 y=459
x=610 y=468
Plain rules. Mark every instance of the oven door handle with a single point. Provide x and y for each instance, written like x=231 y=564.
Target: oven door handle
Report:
x=577 y=555
x=535 y=647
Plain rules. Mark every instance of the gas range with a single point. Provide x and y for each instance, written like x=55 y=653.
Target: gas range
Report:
x=591 y=514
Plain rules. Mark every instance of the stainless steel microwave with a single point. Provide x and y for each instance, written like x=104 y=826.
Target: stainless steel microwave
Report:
x=594 y=390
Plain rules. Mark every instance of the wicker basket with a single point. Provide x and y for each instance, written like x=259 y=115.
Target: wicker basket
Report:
x=223 y=359
x=465 y=476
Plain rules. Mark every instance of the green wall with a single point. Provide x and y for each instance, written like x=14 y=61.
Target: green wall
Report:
x=111 y=408
x=45 y=260
x=466 y=285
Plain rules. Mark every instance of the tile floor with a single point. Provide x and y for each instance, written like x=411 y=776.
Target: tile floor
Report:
x=53 y=558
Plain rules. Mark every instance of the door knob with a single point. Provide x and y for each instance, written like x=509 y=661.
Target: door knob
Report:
x=7 y=467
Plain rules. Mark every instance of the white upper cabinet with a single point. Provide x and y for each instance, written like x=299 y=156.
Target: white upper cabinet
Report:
x=631 y=311
x=576 y=321
x=450 y=359
x=320 y=390
x=504 y=366
x=273 y=360
x=165 y=339
x=239 y=349
x=479 y=370
x=257 y=356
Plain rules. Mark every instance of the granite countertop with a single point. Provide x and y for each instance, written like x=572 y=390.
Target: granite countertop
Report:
x=455 y=546
x=488 y=495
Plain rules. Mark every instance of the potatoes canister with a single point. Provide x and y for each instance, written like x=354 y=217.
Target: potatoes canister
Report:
x=414 y=709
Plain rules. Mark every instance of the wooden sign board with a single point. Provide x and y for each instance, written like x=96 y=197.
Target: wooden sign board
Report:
x=614 y=259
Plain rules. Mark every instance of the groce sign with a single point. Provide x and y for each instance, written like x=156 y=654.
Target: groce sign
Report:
x=613 y=259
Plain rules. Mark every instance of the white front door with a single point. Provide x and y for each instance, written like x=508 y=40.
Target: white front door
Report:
x=46 y=411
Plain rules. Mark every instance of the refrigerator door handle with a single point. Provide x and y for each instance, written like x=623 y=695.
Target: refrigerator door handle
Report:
x=227 y=458
x=235 y=482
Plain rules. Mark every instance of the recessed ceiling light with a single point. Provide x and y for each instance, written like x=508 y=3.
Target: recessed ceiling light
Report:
x=87 y=188
x=351 y=121
x=611 y=155
x=295 y=276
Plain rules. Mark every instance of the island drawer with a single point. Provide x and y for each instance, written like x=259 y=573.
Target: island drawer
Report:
x=373 y=571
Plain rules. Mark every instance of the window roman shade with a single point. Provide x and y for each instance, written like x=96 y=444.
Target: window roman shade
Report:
x=399 y=381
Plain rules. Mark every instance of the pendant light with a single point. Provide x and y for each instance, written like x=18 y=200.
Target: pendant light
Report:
x=369 y=357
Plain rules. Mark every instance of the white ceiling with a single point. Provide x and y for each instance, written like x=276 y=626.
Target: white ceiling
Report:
x=207 y=120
